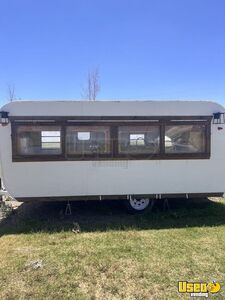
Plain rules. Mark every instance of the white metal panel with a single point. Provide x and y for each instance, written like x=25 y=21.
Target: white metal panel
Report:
x=71 y=178
x=111 y=108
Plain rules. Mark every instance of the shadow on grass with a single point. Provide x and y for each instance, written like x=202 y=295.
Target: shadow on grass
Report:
x=111 y=215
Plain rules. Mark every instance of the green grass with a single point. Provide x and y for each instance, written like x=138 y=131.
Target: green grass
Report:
x=115 y=256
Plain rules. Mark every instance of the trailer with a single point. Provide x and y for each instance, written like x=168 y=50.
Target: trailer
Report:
x=130 y=150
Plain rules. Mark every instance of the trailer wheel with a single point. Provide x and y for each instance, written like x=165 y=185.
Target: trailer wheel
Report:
x=135 y=205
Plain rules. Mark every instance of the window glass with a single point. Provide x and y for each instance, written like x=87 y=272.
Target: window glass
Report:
x=138 y=139
x=185 y=139
x=88 y=140
x=38 y=140
x=135 y=139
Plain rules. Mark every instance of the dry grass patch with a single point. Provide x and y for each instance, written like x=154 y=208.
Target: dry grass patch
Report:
x=116 y=256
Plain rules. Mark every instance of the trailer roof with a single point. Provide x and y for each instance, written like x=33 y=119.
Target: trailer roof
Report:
x=112 y=108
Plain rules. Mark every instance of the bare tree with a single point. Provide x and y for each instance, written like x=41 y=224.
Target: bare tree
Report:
x=11 y=92
x=93 y=85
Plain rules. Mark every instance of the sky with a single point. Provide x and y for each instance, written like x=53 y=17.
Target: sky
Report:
x=143 y=49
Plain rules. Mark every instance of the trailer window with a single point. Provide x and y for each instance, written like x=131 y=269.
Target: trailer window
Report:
x=138 y=139
x=131 y=138
x=87 y=140
x=38 y=140
x=185 y=139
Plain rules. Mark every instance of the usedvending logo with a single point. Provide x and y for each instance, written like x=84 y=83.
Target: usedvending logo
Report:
x=198 y=289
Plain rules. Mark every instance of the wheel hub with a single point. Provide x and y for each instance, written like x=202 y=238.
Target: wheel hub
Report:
x=139 y=204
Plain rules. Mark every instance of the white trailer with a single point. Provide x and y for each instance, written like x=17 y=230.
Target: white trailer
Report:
x=133 y=150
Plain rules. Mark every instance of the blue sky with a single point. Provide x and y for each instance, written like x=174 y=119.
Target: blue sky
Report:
x=144 y=49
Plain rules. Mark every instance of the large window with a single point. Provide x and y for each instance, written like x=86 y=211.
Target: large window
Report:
x=185 y=139
x=87 y=140
x=116 y=139
x=38 y=140
x=138 y=139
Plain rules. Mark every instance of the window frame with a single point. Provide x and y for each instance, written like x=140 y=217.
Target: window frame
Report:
x=36 y=157
x=99 y=156
x=113 y=123
x=200 y=155
x=145 y=156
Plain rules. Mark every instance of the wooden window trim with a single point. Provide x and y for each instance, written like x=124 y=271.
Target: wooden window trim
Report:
x=113 y=123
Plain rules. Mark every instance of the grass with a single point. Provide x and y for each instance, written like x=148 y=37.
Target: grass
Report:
x=115 y=256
